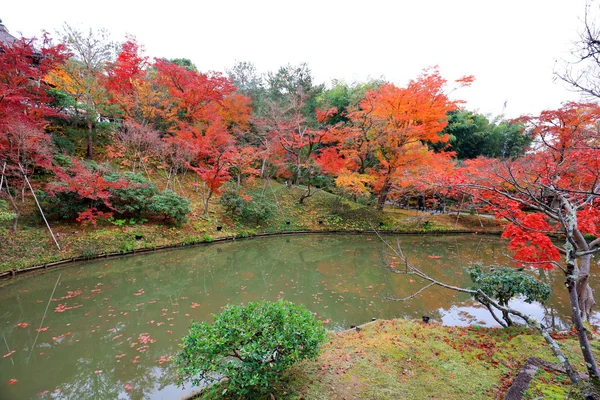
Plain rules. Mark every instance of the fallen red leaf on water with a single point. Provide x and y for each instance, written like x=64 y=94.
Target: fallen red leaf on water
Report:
x=12 y=381
x=61 y=336
x=9 y=354
x=162 y=360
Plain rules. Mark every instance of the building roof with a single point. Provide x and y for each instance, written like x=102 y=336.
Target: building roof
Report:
x=5 y=37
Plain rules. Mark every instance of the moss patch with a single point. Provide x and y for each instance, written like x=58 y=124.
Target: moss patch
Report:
x=402 y=359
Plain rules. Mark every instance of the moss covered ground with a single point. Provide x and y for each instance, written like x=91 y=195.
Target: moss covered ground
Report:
x=403 y=359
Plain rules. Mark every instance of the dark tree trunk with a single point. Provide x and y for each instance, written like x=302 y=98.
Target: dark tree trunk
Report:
x=506 y=315
x=90 y=145
x=206 y=202
x=15 y=222
x=383 y=194
x=584 y=343
x=305 y=195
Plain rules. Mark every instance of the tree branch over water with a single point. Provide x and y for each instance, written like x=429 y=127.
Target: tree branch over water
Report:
x=488 y=302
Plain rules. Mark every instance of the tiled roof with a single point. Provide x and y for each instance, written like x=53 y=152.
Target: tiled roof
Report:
x=5 y=37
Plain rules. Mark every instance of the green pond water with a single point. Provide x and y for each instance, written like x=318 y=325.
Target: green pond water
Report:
x=113 y=324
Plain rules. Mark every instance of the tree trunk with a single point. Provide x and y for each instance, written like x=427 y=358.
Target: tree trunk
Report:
x=90 y=148
x=383 y=194
x=585 y=294
x=298 y=172
x=14 y=204
x=262 y=168
x=584 y=343
x=206 y=200
x=506 y=315
x=168 y=177
x=305 y=195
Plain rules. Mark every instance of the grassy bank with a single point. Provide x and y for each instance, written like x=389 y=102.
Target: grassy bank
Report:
x=32 y=244
x=402 y=359
x=410 y=360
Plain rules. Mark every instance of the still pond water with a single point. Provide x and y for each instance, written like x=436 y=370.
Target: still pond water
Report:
x=113 y=325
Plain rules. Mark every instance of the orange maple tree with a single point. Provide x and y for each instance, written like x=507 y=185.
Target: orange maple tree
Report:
x=391 y=128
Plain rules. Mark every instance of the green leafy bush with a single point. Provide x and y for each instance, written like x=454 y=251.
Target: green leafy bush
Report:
x=127 y=193
x=505 y=284
x=134 y=199
x=171 y=206
x=232 y=202
x=5 y=215
x=65 y=205
x=127 y=197
x=251 y=345
x=256 y=209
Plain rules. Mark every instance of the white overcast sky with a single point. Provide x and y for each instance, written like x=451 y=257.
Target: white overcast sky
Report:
x=511 y=46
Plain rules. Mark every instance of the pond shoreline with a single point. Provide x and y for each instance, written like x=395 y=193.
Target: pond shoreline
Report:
x=65 y=262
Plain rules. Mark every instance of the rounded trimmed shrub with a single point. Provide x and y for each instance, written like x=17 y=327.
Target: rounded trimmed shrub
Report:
x=251 y=345
x=171 y=206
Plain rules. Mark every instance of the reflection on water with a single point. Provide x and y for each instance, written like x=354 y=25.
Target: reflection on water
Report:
x=113 y=325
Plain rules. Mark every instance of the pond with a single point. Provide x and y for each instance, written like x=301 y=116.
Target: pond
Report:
x=113 y=324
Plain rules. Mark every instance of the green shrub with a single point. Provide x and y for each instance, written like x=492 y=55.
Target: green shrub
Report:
x=246 y=233
x=171 y=206
x=332 y=219
x=251 y=345
x=5 y=215
x=190 y=240
x=232 y=202
x=63 y=145
x=127 y=245
x=505 y=284
x=257 y=209
x=134 y=199
x=117 y=222
x=65 y=205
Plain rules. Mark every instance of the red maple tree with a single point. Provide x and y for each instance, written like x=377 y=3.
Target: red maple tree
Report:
x=552 y=191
